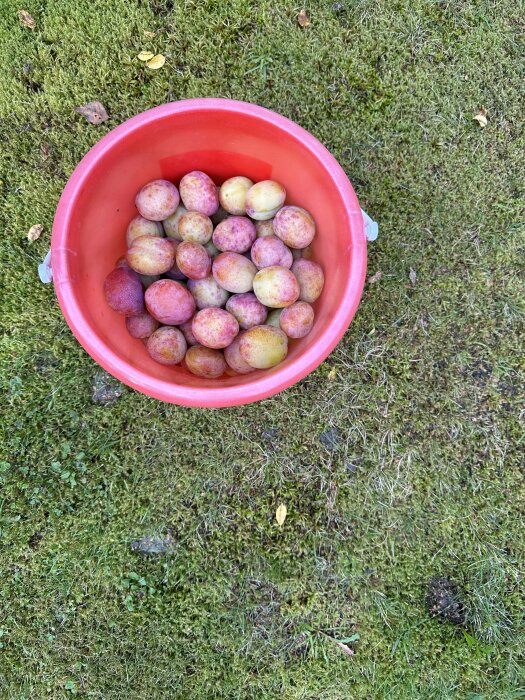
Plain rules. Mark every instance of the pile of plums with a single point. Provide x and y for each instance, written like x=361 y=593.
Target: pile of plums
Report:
x=221 y=281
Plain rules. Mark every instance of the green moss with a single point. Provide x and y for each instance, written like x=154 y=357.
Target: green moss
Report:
x=425 y=477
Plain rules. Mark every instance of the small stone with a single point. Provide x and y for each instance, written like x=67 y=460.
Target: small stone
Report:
x=330 y=439
x=352 y=468
x=153 y=545
x=445 y=601
x=270 y=434
x=105 y=388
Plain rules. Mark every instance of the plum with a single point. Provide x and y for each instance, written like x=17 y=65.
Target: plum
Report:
x=247 y=309
x=264 y=228
x=263 y=346
x=122 y=262
x=214 y=328
x=167 y=346
x=234 y=272
x=139 y=226
x=232 y=194
x=310 y=276
x=147 y=280
x=219 y=216
x=212 y=249
x=149 y=255
x=157 y=200
x=234 y=359
x=199 y=193
x=171 y=224
x=235 y=234
x=170 y=302
x=188 y=333
x=195 y=227
x=270 y=250
x=208 y=293
x=276 y=287
x=273 y=318
x=306 y=253
x=193 y=260
x=297 y=320
x=123 y=291
x=294 y=226
x=264 y=199
x=205 y=362
x=174 y=273
x=142 y=325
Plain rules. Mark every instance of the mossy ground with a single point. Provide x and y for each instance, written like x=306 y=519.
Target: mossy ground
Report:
x=421 y=476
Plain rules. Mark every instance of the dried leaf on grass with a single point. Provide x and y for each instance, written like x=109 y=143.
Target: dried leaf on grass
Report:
x=150 y=35
x=481 y=117
x=412 y=276
x=347 y=650
x=332 y=374
x=280 y=514
x=26 y=20
x=145 y=56
x=156 y=62
x=94 y=112
x=303 y=20
x=34 y=232
x=375 y=278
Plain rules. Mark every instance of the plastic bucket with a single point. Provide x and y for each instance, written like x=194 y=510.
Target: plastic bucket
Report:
x=222 y=138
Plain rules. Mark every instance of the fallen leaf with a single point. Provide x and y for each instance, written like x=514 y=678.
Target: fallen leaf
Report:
x=150 y=35
x=303 y=20
x=94 y=112
x=26 y=19
x=375 y=278
x=332 y=374
x=280 y=514
x=345 y=648
x=481 y=117
x=412 y=275
x=34 y=232
x=156 y=62
x=145 y=56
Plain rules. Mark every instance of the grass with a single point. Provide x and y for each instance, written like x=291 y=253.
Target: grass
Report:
x=424 y=394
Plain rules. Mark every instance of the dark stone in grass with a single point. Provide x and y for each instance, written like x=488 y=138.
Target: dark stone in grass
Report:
x=331 y=439
x=45 y=362
x=481 y=371
x=444 y=600
x=271 y=436
x=106 y=390
x=35 y=539
x=352 y=468
x=153 y=546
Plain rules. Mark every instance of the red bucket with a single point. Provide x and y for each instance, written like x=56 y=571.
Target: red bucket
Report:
x=223 y=138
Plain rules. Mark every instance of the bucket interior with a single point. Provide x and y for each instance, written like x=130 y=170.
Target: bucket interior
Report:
x=222 y=145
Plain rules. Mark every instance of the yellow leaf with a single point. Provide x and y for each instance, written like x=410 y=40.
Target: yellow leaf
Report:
x=145 y=56
x=34 y=232
x=150 y=35
x=280 y=514
x=303 y=20
x=26 y=19
x=481 y=117
x=332 y=374
x=156 y=62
